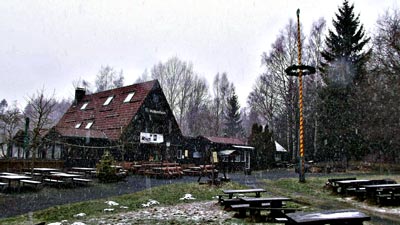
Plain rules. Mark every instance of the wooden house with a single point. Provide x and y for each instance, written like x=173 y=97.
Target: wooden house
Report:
x=232 y=153
x=134 y=123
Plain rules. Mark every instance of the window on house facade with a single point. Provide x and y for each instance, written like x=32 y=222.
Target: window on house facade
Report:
x=109 y=99
x=78 y=125
x=179 y=154
x=89 y=125
x=84 y=105
x=129 y=97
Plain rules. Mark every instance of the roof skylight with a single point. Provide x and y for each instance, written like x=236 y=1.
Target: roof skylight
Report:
x=129 y=97
x=84 y=105
x=109 y=99
x=78 y=125
x=89 y=125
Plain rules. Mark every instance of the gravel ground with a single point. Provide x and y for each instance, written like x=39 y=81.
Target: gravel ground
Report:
x=186 y=213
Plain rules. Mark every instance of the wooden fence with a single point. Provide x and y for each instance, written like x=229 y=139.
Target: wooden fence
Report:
x=18 y=165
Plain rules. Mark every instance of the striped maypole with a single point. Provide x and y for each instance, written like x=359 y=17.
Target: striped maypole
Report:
x=300 y=70
x=301 y=176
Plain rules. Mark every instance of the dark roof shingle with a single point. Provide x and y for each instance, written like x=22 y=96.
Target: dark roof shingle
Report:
x=108 y=121
x=226 y=140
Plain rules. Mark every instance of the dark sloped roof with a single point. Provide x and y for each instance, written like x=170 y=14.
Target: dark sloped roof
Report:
x=226 y=140
x=108 y=121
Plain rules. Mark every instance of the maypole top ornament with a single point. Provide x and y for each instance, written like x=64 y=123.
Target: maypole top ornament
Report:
x=294 y=70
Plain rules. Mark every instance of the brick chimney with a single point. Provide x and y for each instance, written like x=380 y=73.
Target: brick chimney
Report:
x=79 y=94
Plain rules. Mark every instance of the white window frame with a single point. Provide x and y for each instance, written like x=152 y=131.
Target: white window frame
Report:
x=108 y=101
x=78 y=125
x=129 y=97
x=89 y=125
x=84 y=105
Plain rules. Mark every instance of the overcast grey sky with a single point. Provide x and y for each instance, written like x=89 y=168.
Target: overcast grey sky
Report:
x=52 y=43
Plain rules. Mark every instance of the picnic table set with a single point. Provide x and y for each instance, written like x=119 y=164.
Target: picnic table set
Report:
x=381 y=192
x=37 y=177
x=278 y=212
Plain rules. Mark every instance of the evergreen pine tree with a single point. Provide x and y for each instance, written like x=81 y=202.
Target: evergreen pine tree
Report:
x=233 y=122
x=344 y=70
x=344 y=53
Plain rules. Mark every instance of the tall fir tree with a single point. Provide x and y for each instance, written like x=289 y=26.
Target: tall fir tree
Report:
x=344 y=55
x=233 y=122
x=343 y=68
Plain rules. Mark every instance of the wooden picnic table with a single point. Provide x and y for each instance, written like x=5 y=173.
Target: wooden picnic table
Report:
x=83 y=169
x=14 y=178
x=43 y=170
x=87 y=171
x=231 y=192
x=61 y=176
x=344 y=216
x=273 y=204
x=343 y=185
x=378 y=192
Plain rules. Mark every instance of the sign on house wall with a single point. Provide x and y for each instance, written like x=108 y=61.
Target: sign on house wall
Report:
x=151 y=138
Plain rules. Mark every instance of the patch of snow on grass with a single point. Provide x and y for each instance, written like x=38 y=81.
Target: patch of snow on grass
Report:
x=111 y=203
x=150 y=203
x=80 y=215
x=187 y=197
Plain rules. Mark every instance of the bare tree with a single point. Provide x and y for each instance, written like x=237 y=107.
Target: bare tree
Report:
x=263 y=99
x=144 y=77
x=39 y=109
x=177 y=80
x=198 y=109
x=221 y=89
x=10 y=121
x=379 y=96
x=279 y=90
x=314 y=82
x=108 y=78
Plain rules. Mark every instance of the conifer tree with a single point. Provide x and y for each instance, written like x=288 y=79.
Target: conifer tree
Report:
x=344 y=70
x=233 y=124
x=344 y=52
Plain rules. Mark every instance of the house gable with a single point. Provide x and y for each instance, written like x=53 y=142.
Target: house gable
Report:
x=153 y=116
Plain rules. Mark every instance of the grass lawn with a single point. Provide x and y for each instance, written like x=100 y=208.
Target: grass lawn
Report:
x=308 y=196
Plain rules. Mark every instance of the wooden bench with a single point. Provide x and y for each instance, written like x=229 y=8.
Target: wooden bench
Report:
x=33 y=183
x=256 y=191
x=231 y=201
x=275 y=215
x=3 y=185
x=53 y=181
x=33 y=174
x=81 y=181
x=384 y=199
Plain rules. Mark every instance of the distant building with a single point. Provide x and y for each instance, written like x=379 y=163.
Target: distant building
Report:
x=232 y=152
